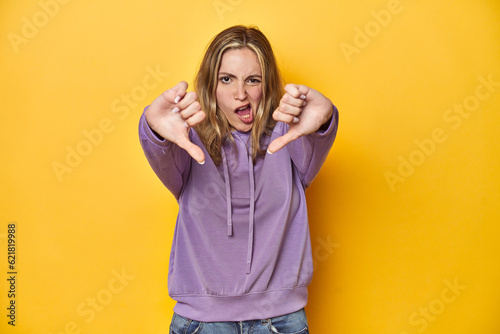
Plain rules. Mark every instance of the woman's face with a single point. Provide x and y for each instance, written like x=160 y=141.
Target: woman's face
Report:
x=239 y=88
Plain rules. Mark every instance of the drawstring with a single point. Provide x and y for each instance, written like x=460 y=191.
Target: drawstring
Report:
x=228 y=194
x=251 y=219
x=252 y=206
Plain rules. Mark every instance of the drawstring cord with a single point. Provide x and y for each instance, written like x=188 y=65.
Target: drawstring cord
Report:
x=228 y=194
x=252 y=206
x=251 y=219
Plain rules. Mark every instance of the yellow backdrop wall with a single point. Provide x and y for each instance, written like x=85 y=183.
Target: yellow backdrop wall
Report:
x=404 y=214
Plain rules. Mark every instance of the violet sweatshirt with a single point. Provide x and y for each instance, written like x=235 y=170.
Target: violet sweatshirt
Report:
x=241 y=248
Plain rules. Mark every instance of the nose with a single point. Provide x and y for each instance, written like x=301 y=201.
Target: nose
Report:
x=240 y=92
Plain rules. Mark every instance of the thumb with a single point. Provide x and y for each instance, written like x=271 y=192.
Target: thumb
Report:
x=280 y=142
x=193 y=150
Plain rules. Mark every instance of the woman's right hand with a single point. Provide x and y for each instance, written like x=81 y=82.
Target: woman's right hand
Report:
x=172 y=114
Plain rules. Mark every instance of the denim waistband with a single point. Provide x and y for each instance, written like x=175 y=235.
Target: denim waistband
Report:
x=295 y=322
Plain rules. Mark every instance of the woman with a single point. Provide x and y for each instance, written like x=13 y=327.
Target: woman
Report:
x=237 y=154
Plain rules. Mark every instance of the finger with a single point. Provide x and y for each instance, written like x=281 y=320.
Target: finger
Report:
x=196 y=118
x=179 y=91
x=289 y=109
x=285 y=117
x=187 y=99
x=192 y=109
x=297 y=91
x=280 y=142
x=175 y=93
x=288 y=99
x=193 y=150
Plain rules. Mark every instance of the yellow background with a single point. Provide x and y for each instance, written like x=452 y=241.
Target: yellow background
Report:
x=385 y=251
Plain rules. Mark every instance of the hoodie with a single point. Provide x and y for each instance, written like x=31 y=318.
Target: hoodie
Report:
x=241 y=248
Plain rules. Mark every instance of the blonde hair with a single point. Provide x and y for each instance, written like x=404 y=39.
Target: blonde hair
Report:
x=215 y=129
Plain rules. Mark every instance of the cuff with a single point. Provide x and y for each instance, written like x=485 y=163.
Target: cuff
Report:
x=149 y=133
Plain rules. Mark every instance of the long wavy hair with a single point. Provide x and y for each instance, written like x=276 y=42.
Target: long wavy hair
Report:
x=215 y=129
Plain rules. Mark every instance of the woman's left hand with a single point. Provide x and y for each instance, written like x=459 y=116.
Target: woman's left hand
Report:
x=305 y=109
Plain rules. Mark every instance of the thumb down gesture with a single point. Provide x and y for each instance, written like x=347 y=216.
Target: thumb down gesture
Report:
x=304 y=109
x=172 y=114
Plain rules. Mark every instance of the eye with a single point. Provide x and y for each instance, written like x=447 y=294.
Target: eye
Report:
x=254 y=81
x=225 y=79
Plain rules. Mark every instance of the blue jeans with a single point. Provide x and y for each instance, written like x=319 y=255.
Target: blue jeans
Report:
x=292 y=323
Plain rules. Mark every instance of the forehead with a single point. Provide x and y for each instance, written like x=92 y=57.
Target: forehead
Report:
x=240 y=62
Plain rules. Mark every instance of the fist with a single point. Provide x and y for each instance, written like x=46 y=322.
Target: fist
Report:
x=172 y=114
x=304 y=109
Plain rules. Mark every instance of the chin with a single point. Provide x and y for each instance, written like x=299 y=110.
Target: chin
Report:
x=244 y=128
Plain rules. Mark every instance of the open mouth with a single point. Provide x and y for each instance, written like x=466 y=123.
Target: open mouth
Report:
x=245 y=113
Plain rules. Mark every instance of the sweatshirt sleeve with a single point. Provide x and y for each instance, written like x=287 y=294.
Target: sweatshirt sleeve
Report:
x=309 y=152
x=170 y=162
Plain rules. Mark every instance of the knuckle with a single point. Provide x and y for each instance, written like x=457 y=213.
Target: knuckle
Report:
x=287 y=98
x=196 y=105
x=166 y=95
x=276 y=116
x=184 y=114
x=299 y=133
x=294 y=90
x=284 y=108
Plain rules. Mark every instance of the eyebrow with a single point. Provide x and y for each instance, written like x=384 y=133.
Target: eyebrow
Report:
x=234 y=76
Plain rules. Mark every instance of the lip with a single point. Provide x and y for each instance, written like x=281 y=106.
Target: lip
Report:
x=244 y=105
x=246 y=118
